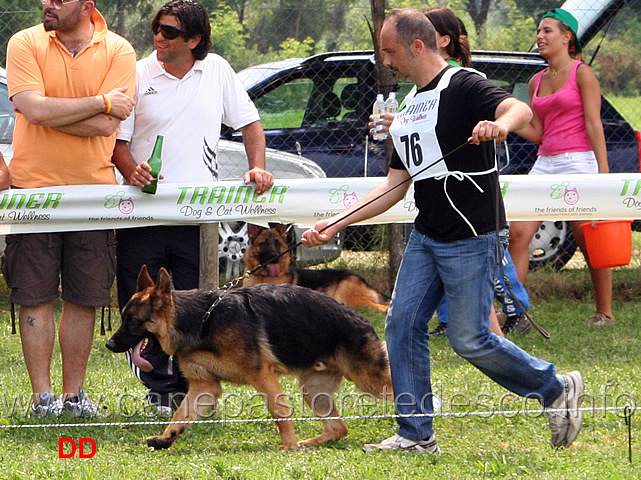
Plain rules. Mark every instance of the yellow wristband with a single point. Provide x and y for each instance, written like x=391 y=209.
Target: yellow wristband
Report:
x=107 y=104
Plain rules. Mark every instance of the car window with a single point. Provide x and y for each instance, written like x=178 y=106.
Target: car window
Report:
x=311 y=103
x=284 y=107
x=509 y=75
x=521 y=92
x=7 y=115
x=518 y=89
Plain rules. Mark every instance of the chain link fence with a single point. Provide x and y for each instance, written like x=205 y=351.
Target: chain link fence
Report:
x=318 y=108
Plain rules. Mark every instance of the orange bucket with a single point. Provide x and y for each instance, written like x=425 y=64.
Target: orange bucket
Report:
x=609 y=242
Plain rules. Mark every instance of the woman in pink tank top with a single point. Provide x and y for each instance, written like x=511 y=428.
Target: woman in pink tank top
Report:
x=566 y=100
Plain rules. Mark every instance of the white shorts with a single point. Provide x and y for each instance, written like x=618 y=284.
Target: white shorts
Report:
x=566 y=163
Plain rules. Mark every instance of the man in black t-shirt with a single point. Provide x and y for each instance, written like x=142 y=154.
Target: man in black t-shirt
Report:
x=444 y=141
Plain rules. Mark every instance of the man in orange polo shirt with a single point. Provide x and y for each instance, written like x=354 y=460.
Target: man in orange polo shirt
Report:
x=71 y=81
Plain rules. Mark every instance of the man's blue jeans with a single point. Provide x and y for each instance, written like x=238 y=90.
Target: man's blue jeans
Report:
x=501 y=291
x=464 y=271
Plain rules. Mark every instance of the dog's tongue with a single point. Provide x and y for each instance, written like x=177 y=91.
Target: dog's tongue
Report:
x=138 y=359
x=274 y=270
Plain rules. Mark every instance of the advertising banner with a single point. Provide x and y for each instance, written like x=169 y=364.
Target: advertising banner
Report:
x=299 y=201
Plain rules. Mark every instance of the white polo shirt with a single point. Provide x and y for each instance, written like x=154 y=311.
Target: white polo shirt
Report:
x=188 y=112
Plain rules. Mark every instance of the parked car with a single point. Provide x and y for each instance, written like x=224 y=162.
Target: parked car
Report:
x=319 y=107
x=233 y=236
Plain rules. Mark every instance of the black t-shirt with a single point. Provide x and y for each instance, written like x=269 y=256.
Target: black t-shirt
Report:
x=467 y=99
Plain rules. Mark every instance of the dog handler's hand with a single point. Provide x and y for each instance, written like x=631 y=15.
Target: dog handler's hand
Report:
x=487 y=130
x=264 y=180
x=317 y=236
x=385 y=119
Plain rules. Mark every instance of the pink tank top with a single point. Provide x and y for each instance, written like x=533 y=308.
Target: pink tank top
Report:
x=563 y=118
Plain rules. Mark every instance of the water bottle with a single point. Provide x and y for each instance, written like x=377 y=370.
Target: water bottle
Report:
x=155 y=163
x=391 y=105
x=379 y=107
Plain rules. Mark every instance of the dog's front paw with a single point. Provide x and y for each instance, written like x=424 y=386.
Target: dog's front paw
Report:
x=158 y=442
x=289 y=445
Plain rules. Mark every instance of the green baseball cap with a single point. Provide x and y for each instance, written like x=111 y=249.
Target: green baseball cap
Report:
x=567 y=18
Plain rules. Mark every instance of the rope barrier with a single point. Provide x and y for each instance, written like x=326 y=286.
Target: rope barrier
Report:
x=627 y=408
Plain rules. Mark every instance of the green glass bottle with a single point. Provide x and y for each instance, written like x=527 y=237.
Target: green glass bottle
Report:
x=155 y=163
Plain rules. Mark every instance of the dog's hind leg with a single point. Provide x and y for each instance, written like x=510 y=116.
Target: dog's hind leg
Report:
x=266 y=382
x=318 y=390
x=201 y=397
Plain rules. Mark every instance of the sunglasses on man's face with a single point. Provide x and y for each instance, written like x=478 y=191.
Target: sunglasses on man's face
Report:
x=167 y=31
x=58 y=4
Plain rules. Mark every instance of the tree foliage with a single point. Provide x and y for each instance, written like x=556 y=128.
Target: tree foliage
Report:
x=536 y=8
x=478 y=11
x=618 y=64
x=19 y=18
x=248 y=32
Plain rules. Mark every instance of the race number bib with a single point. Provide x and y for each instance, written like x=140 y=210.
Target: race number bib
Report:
x=414 y=132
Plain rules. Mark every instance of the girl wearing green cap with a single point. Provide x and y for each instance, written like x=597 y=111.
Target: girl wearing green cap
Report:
x=566 y=100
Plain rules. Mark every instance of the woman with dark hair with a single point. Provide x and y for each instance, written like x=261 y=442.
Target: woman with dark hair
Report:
x=451 y=36
x=566 y=100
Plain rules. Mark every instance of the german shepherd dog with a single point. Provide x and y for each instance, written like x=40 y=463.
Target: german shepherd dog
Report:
x=266 y=244
x=253 y=335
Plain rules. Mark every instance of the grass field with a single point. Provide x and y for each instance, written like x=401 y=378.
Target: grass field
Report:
x=474 y=447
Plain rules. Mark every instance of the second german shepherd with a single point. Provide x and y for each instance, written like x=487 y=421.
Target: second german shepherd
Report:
x=266 y=244
x=253 y=335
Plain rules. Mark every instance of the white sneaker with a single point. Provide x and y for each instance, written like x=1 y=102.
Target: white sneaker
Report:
x=402 y=443
x=48 y=406
x=565 y=426
x=81 y=406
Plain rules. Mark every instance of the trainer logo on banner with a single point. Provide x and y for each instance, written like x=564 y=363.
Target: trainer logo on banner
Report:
x=631 y=191
x=17 y=206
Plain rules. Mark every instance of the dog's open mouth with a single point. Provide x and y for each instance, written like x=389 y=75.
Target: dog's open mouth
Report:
x=137 y=355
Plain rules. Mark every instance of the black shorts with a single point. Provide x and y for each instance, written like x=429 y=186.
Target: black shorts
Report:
x=35 y=264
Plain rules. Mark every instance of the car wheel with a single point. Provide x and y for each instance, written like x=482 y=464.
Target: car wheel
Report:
x=553 y=244
x=233 y=240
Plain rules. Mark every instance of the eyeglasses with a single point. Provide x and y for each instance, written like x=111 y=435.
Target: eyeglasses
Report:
x=167 y=31
x=58 y=4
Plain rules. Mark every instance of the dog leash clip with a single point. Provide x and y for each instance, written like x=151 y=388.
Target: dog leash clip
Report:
x=228 y=286
x=211 y=309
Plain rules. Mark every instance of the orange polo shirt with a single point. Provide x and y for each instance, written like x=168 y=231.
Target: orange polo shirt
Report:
x=37 y=60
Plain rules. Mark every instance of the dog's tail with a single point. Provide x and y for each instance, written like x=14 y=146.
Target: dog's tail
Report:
x=356 y=292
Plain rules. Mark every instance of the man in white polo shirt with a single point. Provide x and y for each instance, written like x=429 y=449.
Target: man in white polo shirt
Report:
x=185 y=94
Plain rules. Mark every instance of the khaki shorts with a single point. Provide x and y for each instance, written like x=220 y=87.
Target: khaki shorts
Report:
x=34 y=265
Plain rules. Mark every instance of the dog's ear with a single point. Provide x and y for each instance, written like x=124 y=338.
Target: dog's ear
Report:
x=253 y=231
x=144 y=279
x=282 y=228
x=163 y=284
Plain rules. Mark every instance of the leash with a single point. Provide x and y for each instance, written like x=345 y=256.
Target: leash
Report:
x=231 y=284
x=501 y=254
x=234 y=282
